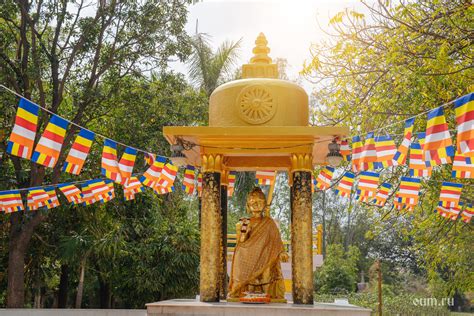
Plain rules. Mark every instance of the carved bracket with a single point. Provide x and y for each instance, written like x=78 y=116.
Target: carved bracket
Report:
x=212 y=163
x=301 y=162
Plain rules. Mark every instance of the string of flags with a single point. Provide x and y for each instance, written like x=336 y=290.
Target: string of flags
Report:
x=367 y=157
x=87 y=193
x=420 y=152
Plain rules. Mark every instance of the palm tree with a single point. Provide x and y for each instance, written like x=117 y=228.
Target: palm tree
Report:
x=100 y=237
x=209 y=69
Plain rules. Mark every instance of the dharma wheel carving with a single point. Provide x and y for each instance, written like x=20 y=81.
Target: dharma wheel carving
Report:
x=256 y=104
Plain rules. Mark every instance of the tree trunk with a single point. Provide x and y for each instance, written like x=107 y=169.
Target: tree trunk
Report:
x=63 y=286
x=16 y=276
x=19 y=239
x=348 y=239
x=80 y=286
x=37 y=301
x=104 y=293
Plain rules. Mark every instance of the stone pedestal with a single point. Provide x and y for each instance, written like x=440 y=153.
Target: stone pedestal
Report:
x=196 y=308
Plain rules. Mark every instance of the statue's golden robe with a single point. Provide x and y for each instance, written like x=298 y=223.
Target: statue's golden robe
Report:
x=256 y=261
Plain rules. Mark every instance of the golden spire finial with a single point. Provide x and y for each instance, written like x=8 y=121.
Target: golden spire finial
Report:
x=261 y=51
x=260 y=65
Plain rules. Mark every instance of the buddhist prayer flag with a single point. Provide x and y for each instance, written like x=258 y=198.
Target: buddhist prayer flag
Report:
x=368 y=157
x=132 y=187
x=382 y=194
x=97 y=190
x=159 y=189
x=463 y=167
x=199 y=184
x=345 y=150
x=323 y=181
x=152 y=174
x=450 y=194
x=449 y=212
x=36 y=198
x=79 y=151
x=408 y=193
x=438 y=147
x=49 y=146
x=265 y=177
x=22 y=137
x=231 y=182
x=71 y=192
x=356 y=153
x=344 y=187
x=126 y=164
x=467 y=214
x=52 y=201
x=400 y=156
x=102 y=190
x=10 y=201
x=189 y=179
x=368 y=183
x=464 y=110
x=88 y=196
x=417 y=163
x=168 y=175
x=149 y=158
x=110 y=165
x=110 y=194
x=455 y=211
x=163 y=190
x=443 y=212
x=385 y=149
x=313 y=182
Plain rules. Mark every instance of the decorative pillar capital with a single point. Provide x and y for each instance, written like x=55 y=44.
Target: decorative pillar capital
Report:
x=301 y=162
x=212 y=163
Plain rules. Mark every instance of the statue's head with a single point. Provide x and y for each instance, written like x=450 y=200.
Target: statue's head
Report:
x=256 y=202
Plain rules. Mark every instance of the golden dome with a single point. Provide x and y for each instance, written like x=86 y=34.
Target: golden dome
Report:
x=259 y=98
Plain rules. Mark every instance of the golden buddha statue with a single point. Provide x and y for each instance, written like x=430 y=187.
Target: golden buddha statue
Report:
x=259 y=250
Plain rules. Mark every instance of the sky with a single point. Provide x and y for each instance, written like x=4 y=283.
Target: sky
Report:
x=290 y=26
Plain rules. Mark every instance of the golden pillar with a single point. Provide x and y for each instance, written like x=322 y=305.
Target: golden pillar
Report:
x=211 y=242
x=301 y=229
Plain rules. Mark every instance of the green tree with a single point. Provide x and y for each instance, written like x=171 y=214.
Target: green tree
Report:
x=400 y=60
x=90 y=250
x=60 y=54
x=338 y=273
x=209 y=69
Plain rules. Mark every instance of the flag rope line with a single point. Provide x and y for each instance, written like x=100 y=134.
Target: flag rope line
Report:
x=403 y=121
x=57 y=184
x=141 y=150
x=247 y=148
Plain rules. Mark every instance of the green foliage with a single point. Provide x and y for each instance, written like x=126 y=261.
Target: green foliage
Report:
x=208 y=69
x=339 y=271
x=398 y=60
x=393 y=304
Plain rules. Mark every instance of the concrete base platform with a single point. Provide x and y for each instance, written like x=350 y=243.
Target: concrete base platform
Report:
x=184 y=307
